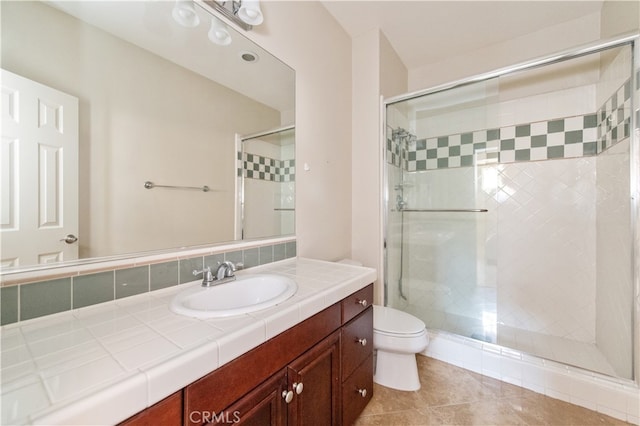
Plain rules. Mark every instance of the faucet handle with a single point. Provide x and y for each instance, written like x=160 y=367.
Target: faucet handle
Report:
x=207 y=275
x=203 y=271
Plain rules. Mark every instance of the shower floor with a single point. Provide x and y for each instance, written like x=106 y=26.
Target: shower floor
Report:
x=566 y=351
x=562 y=350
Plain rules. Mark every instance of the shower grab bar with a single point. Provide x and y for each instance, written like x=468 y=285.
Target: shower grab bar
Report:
x=151 y=185
x=443 y=210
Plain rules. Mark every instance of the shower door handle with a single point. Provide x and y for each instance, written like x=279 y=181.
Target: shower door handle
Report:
x=444 y=210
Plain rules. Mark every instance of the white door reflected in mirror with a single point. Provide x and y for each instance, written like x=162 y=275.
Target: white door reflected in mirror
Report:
x=39 y=173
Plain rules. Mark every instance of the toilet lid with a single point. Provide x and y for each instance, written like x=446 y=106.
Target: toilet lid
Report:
x=389 y=320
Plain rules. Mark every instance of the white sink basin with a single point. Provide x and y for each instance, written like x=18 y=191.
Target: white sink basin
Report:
x=248 y=293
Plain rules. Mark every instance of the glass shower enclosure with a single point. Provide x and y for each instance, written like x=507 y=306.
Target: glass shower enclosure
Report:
x=510 y=214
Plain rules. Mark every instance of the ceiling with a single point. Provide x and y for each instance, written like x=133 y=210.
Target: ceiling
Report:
x=426 y=32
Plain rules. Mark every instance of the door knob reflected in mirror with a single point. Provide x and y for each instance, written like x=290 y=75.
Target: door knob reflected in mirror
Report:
x=70 y=239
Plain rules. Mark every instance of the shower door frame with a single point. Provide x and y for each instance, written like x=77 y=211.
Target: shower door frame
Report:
x=630 y=39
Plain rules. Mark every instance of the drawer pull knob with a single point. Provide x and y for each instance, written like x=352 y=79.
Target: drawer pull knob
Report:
x=363 y=342
x=298 y=387
x=288 y=396
x=362 y=392
x=363 y=302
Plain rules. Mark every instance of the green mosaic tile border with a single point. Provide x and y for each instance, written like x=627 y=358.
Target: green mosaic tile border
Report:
x=544 y=140
x=33 y=300
x=614 y=117
x=567 y=137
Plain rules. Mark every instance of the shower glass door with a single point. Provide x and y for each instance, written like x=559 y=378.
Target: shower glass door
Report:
x=510 y=216
x=442 y=158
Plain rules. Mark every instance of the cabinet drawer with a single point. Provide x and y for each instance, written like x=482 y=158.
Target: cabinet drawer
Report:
x=356 y=303
x=357 y=341
x=357 y=391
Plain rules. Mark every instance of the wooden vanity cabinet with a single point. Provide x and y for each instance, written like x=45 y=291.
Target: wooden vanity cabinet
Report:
x=357 y=354
x=166 y=412
x=306 y=392
x=319 y=372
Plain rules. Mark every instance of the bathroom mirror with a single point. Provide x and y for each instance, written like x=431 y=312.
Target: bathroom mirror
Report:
x=159 y=109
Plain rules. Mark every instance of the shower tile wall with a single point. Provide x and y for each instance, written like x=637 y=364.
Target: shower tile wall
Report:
x=546 y=240
x=614 y=280
x=546 y=247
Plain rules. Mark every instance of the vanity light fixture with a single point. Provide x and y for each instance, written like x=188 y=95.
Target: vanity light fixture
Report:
x=184 y=13
x=219 y=32
x=244 y=13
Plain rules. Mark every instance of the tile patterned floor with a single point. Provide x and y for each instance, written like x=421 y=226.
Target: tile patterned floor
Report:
x=453 y=396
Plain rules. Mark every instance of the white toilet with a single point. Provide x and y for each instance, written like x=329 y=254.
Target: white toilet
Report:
x=397 y=337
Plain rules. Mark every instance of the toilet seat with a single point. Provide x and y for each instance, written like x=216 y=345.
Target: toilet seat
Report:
x=394 y=322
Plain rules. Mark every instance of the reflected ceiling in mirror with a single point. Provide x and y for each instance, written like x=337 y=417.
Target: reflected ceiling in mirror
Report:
x=118 y=94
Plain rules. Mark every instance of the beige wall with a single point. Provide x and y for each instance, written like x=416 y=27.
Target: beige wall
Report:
x=125 y=120
x=619 y=17
x=366 y=149
x=540 y=43
x=377 y=71
x=307 y=38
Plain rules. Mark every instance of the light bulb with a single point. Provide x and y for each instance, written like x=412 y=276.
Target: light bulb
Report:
x=184 y=13
x=250 y=12
x=219 y=33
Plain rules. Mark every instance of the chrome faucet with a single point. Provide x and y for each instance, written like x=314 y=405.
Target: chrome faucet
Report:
x=223 y=274
x=207 y=276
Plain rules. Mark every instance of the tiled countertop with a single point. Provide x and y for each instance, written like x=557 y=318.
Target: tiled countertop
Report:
x=104 y=363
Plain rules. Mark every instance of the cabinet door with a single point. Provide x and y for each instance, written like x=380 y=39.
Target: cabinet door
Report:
x=263 y=406
x=314 y=379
